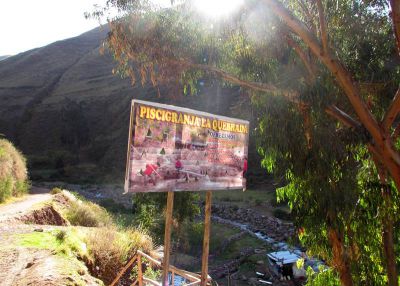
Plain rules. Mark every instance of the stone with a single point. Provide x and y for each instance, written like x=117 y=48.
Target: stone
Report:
x=260 y=262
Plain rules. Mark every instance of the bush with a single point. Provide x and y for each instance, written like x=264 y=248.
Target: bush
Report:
x=281 y=214
x=110 y=249
x=13 y=172
x=55 y=191
x=274 y=203
x=325 y=277
x=85 y=213
x=258 y=202
x=114 y=207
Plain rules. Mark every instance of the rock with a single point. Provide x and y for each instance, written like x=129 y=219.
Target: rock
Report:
x=252 y=281
x=235 y=276
x=259 y=250
x=260 y=262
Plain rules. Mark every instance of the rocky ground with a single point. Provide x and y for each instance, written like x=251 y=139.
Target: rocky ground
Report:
x=271 y=226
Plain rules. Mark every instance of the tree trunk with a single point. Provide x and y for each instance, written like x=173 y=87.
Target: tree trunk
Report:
x=395 y=5
x=387 y=238
x=340 y=260
x=387 y=227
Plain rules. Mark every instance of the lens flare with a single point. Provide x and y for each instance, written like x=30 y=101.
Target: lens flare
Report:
x=217 y=8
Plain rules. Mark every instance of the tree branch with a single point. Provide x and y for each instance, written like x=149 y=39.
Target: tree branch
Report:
x=396 y=132
x=331 y=62
x=186 y=63
x=305 y=111
x=392 y=112
x=291 y=95
x=395 y=5
x=308 y=15
x=300 y=52
x=342 y=116
x=322 y=26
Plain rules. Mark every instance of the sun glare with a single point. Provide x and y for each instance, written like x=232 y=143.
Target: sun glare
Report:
x=217 y=8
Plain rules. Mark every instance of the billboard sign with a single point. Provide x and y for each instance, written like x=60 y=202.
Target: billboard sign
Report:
x=179 y=149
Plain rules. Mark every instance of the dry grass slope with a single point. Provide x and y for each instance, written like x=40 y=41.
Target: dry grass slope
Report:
x=109 y=246
x=13 y=172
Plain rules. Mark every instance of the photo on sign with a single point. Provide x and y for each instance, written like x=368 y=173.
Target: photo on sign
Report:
x=179 y=149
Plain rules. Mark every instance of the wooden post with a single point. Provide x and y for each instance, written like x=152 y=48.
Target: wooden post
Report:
x=206 y=240
x=167 y=237
x=140 y=274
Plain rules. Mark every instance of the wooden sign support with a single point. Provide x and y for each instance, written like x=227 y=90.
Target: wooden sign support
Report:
x=167 y=238
x=206 y=240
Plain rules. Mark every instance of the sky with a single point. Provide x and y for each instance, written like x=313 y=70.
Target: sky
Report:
x=28 y=24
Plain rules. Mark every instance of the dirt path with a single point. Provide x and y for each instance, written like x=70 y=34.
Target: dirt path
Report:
x=11 y=210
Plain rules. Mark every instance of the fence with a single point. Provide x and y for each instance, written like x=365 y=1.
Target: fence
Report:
x=192 y=278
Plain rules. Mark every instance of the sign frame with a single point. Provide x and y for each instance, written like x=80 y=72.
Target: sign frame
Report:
x=219 y=128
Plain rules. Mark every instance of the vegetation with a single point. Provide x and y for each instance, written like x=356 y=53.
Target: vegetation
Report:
x=68 y=243
x=55 y=191
x=13 y=172
x=110 y=253
x=325 y=277
x=85 y=213
x=147 y=214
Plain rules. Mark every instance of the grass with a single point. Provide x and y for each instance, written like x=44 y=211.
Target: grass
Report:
x=39 y=240
x=66 y=243
x=109 y=245
x=234 y=249
x=262 y=200
x=251 y=197
x=55 y=191
x=85 y=213
x=10 y=200
x=110 y=248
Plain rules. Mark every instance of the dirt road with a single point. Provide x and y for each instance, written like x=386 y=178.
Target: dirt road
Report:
x=11 y=210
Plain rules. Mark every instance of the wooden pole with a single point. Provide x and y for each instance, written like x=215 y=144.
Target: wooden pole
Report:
x=167 y=237
x=206 y=240
x=140 y=273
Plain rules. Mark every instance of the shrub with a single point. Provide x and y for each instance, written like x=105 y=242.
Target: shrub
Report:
x=85 y=213
x=55 y=191
x=114 y=207
x=281 y=214
x=274 y=203
x=109 y=250
x=61 y=235
x=13 y=172
x=325 y=277
x=258 y=202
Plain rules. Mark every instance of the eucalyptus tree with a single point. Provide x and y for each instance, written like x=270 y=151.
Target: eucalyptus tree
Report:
x=315 y=62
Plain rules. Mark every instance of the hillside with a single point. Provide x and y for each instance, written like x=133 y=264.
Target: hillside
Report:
x=3 y=57
x=63 y=107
